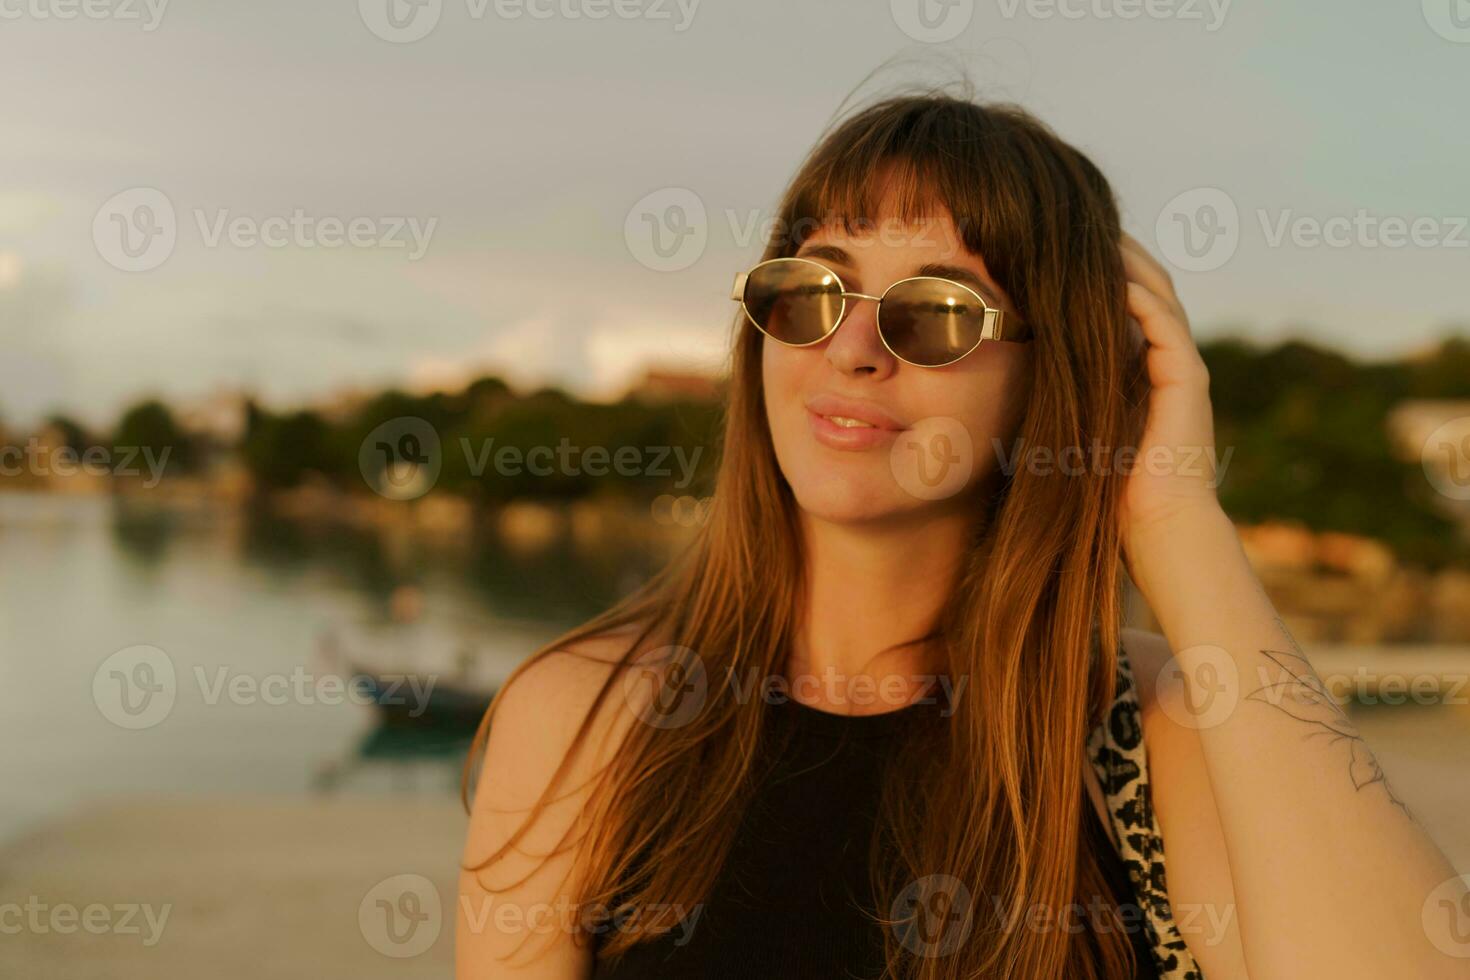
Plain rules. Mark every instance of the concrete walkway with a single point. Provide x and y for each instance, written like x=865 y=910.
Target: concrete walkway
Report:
x=230 y=889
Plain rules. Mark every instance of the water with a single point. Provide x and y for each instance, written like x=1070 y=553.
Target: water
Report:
x=242 y=599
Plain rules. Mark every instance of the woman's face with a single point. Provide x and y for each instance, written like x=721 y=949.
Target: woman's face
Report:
x=927 y=444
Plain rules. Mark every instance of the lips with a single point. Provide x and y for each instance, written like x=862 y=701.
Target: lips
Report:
x=849 y=424
x=854 y=414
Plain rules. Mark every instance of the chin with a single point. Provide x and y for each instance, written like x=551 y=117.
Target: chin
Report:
x=851 y=498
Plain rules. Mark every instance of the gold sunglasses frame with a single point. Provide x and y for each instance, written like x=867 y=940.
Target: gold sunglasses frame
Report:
x=995 y=325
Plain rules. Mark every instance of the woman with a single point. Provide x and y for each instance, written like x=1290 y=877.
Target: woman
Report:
x=882 y=716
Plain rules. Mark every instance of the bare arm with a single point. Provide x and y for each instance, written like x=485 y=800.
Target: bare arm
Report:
x=1330 y=875
x=1330 y=871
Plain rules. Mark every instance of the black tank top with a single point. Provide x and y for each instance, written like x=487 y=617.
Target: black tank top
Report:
x=789 y=901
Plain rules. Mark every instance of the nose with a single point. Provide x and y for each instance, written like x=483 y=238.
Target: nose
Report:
x=855 y=348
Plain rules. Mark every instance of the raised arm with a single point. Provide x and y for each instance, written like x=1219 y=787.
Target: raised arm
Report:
x=1331 y=874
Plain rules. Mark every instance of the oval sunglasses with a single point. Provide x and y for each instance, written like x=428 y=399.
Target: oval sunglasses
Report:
x=925 y=321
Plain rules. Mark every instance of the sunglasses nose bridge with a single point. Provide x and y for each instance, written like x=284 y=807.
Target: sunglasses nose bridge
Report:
x=847 y=311
x=846 y=295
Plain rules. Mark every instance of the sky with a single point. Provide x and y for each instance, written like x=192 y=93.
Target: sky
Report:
x=296 y=198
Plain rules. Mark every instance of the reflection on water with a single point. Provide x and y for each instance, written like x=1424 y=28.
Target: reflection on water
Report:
x=239 y=601
x=560 y=581
x=143 y=535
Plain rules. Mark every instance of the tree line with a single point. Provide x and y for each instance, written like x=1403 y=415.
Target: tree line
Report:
x=1306 y=424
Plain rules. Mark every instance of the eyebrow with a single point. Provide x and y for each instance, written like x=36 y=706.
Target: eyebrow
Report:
x=939 y=270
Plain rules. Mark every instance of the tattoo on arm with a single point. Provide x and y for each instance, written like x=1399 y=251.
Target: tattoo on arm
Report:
x=1300 y=693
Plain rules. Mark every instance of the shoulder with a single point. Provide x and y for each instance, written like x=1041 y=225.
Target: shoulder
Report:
x=1183 y=802
x=1147 y=653
x=537 y=716
x=1136 y=717
x=552 y=731
x=1173 y=747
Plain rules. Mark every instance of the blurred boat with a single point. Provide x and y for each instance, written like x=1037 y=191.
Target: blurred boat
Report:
x=435 y=705
x=425 y=673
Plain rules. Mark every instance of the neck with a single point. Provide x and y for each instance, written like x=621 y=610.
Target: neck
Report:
x=874 y=595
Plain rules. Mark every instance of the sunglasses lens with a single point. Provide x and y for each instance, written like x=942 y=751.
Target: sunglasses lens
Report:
x=931 y=321
x=792 y=301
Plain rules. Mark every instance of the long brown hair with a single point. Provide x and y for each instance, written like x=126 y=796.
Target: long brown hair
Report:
x=1032 y=621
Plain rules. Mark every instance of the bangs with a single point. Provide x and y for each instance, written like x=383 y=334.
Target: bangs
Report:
x=916 y=163
x=852 y=192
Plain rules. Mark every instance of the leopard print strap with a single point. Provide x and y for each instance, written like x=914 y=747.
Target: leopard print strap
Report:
x=1117 y=753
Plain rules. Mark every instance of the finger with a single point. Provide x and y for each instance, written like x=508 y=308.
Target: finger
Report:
x=1143 y=267
x=1134 y=247
x=1141 y=263
x=1153 y=278
x=1161 y=327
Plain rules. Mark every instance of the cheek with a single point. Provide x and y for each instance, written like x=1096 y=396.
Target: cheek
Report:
x=780 y=377
x=991 y=410
x=984 y=398
x=787 y=376
x=988 y=402
x=1016 y=388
